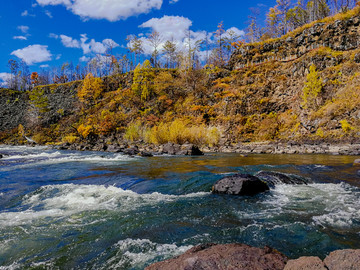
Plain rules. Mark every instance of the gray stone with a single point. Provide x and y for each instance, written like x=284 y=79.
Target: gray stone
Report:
x=240 y=184
x=305 y=263
x=347 y=259
x=357 y=162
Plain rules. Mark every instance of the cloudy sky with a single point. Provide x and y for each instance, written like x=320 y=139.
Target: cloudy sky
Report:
x=50 y=32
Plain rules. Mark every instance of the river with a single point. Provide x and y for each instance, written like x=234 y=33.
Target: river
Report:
x=95 y=210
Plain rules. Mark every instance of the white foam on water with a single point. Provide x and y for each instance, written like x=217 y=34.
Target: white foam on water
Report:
x=13 y=266
x=45 y=158
x=67 y=200
x=138 y=252
x=334 y=205
x=33 y=156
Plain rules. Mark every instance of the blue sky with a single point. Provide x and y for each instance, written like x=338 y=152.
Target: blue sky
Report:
x=50 y=32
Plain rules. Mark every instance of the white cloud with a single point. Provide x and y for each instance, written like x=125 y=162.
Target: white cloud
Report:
x=48 y=13
x=26 y=13
x=69 y=42
x=4 y=78
x=33 y=54
x=20 y=37
x=173 y=1
x=44 y=66
x=91 y=46
x=112 y=10
x=173 y=28
x=84 y=59
x=23 y=28
x=169 y=26
x=235 y=31
x=52 y=35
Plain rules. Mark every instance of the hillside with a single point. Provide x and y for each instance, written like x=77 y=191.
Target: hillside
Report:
x=304 y=87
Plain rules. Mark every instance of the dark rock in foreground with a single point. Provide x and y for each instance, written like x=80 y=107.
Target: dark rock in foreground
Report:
x=1 y=156
x=223 y=257
x=240 y=184
x=348 y=259
x=274 y=178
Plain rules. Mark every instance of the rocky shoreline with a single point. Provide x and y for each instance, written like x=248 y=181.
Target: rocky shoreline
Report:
x=244 y=257
x=352 y=149
x=142 y=149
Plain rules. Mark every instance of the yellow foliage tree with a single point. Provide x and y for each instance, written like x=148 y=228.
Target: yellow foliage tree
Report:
x=312 y=89
x=91 y=89
x=143 y=81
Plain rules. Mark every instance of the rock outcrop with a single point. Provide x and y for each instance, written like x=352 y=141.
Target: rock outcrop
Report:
x=223 y=257
x=338 y=35
x=240 y=184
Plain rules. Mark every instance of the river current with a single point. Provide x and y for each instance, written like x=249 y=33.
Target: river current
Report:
x=95 y=210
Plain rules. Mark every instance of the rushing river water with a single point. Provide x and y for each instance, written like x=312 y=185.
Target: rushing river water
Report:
x=91 y=210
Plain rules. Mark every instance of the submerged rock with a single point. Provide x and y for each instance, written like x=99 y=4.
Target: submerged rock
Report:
x=273 y=178
x=145 y=154
x=305 y=263
x=347 y=259
x=357 y=162
x=132 y=151
x=240 y=184
x=221 y=257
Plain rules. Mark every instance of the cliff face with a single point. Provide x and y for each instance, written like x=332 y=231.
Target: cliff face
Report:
x=338 y=35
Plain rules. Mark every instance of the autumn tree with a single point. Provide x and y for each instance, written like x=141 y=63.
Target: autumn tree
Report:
x=169 y=50
x=34 y=78
x=312 y=88
x=136 y=47
x=143 y=81
x=14 y=78
x=155 y=41
x=219 y=33
x=91 y=90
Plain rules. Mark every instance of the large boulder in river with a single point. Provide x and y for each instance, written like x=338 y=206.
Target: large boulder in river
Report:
x=222 y=257
x=1 y=156
x=347 y=259
x=240 y=184
x=273 y=178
